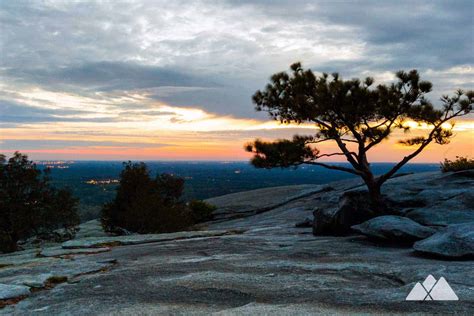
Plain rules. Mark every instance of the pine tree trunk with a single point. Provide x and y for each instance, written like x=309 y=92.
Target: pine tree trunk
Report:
x=376 y=198
x=375 y=194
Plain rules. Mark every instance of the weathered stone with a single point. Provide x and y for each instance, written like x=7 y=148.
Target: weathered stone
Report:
x=243 y=204
x=60 y=251
x=394 y=229
x=91 y=228
x=94 y=242
x=21 y=257
x=8 y=291
x=440 y=217
x=37 y=280
x=454 y=241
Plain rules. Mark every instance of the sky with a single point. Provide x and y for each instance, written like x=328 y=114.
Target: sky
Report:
x=173 y=80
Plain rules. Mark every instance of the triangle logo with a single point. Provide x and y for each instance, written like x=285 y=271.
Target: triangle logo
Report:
x=432 y=290
x=442 y=291
x=418 y=293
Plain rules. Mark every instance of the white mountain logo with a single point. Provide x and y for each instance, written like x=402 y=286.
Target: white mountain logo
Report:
x=432 y=290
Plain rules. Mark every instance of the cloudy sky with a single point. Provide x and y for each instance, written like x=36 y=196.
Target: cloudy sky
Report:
x=174 y=79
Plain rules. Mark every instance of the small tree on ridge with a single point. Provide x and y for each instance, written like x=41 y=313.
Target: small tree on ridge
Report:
x=146 y=204
x=351 y=112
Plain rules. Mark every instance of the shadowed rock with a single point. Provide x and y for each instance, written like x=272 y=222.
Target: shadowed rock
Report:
x=353 y=209
x=307 y=223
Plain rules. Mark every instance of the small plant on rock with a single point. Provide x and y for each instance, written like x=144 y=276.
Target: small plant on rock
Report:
x=201 y=210
x=460 y=163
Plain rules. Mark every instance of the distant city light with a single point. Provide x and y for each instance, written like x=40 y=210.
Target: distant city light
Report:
x=102 y=182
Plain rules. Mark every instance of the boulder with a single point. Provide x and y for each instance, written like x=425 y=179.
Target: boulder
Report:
x=454 y=241
x=394 y=229
x=354 y=208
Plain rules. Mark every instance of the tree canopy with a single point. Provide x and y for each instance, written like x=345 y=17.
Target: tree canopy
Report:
x=146 y=205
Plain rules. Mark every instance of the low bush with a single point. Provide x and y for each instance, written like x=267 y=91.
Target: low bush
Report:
x=460 y=163
x=202 y=211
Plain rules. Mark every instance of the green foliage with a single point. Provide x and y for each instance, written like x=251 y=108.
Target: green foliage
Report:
x=281 y=153
x=146 y=205
x=202 y=211
x=28 y=204
x=460 y=163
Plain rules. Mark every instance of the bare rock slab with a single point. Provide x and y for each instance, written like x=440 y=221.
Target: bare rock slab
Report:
x=92 y=228
x=455 y=241
x=8 y=291
x=31 y=280
x=59 y=251
x=440 y=217
x=243 y=204
x=100 y=242
x=394 y=229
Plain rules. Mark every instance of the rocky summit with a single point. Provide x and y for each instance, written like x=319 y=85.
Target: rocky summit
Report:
x=254 y=259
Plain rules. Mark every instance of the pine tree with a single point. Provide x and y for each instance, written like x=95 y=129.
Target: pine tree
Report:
x=356 y=116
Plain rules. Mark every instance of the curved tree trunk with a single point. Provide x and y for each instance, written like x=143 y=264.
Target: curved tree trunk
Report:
x=375 y=194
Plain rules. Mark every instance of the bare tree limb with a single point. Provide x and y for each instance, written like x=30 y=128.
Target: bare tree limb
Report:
x=333 y=167
x=428 y=140
x=334 y=154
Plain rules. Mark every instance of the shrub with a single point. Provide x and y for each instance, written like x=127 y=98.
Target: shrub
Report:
x=29 y=205
x=202 y=211
x=146 y=205
x=460 y=163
